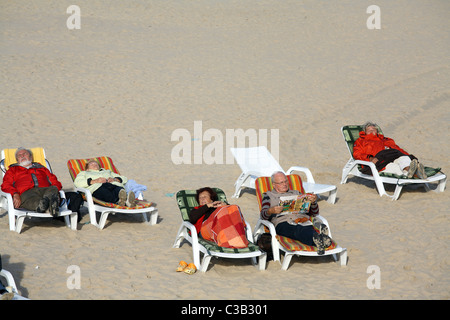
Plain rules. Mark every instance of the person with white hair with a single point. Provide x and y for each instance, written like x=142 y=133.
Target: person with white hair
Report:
x=31 y=185
x=315 y=234
x=385 y=154
x=105 y=185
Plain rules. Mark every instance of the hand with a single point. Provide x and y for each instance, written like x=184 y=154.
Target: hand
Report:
x=216 y=204
x=311 y=197
x=99 y=180
x=275 y=210
x=111 y=180
x=374 y=160
x=16 y=200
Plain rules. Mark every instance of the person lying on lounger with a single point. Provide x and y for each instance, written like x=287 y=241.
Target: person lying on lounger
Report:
x=289 y=225
x=385 y=154
x=105 y=185
x=218 y=221
x=31 y=185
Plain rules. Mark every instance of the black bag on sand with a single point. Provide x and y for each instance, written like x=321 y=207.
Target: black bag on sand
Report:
x=265 y=244
x=74 y=201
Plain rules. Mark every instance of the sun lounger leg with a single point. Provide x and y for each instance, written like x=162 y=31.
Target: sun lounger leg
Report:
x=262 y=261
x=150 y=217
x=239 y=185
x=286 y=261
x=153 y=217
x=182 y=234
x=196 y=253
x=332 y=196
x=71 y=220
x=103 y=217
x=205 y=263
x=19 y=223
x=12 y=220
x=343 y=257
x=441 y=185
x=397 y=192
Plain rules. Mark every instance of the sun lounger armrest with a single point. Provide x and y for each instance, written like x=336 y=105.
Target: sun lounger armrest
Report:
x=252 y=174
x=325 y=221
x=190 y=226
x=309 y=176
x=192 y=229
x=372 y=166
x=9 y=279
x=248 y=233
x=269 y=225
x=9 y=200
x=87 y=194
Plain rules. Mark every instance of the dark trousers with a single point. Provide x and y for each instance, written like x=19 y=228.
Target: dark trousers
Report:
x=304 y=234
x=30 y=198
x=107 y=192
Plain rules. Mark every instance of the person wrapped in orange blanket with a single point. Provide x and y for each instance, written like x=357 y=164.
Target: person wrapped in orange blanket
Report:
x=218 y=221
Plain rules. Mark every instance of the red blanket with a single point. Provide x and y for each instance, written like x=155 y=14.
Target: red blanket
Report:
x=226 y=227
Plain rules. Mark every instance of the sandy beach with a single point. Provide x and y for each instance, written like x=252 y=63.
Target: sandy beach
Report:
x=137 y=71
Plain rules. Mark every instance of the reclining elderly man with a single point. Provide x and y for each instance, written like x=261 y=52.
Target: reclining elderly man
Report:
x=287 y=224
x=32 y=186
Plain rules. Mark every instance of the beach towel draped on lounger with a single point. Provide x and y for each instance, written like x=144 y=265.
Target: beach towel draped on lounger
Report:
x=226 y=227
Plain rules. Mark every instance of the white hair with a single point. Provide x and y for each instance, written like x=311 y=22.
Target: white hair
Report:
x=369 y=124
x=275 y=173
x=27 y=150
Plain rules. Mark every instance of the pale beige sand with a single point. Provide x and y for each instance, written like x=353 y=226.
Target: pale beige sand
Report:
x=138 y=70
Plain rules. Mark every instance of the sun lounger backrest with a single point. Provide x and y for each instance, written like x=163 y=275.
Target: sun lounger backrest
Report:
x=256 y=160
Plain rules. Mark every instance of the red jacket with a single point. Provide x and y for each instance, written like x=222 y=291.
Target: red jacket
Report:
x=20 y=179
x=368 y=145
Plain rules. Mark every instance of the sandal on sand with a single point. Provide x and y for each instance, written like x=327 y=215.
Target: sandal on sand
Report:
x=181 y=266
x=190 y=269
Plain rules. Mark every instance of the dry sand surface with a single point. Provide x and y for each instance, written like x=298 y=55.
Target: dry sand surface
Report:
x=137 y=71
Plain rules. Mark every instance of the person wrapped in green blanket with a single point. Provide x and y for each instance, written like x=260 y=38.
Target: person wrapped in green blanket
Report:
x=105 y=185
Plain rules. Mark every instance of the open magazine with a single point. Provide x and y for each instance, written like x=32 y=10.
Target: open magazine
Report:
x=295 y=204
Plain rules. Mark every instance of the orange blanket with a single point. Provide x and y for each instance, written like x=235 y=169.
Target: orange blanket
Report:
x=226 y=227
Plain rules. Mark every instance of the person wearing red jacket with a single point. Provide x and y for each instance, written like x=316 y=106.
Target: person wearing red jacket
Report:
x=385 y=154
x=32 y=186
